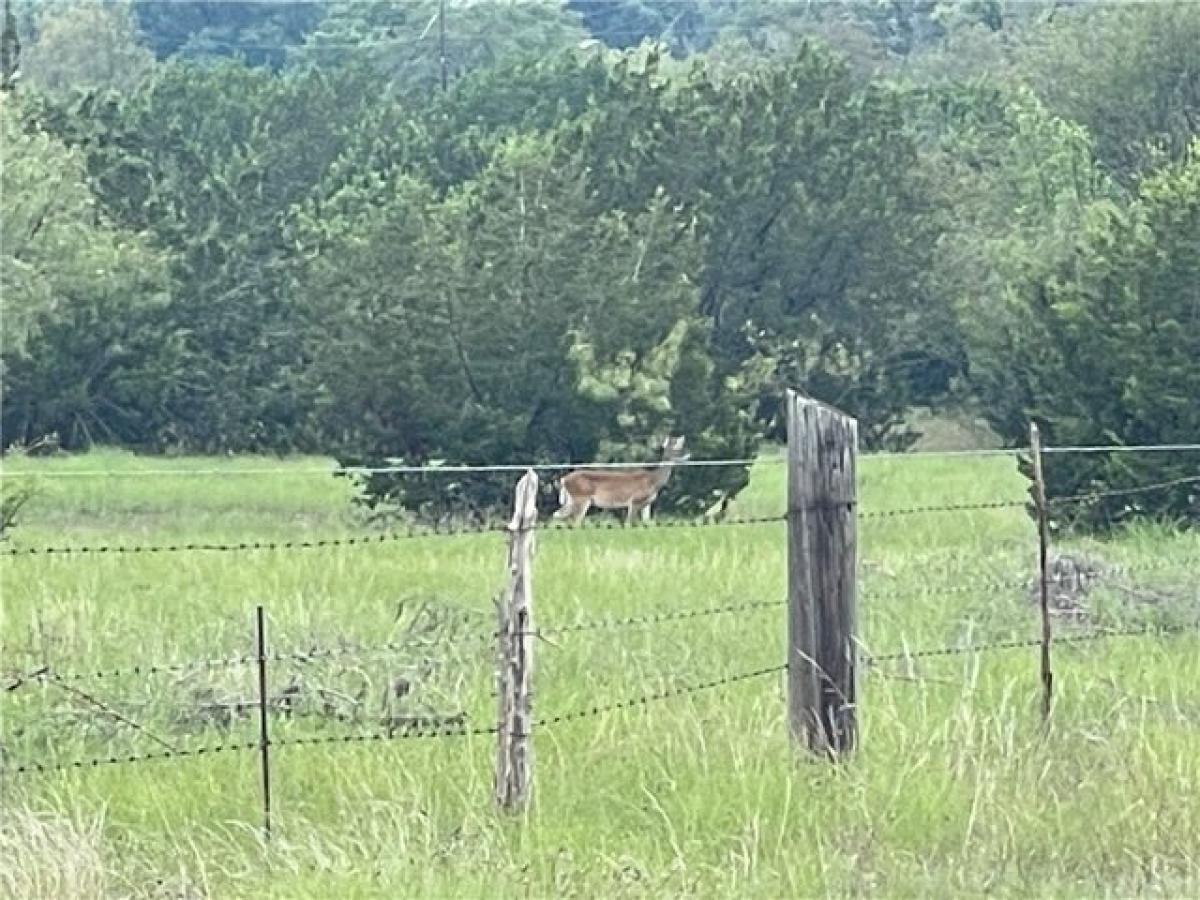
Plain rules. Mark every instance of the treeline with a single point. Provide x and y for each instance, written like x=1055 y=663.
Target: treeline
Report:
x=277 y=232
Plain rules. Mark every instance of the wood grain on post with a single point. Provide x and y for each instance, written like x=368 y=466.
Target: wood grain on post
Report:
x=1043 y=520
x=514 y=759
x=822 y=590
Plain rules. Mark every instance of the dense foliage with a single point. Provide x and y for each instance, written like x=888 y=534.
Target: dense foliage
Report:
x=523 y=232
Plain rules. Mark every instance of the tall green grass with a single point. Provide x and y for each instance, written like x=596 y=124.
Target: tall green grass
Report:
x=954 y=791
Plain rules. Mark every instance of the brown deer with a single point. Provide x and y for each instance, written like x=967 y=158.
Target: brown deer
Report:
x=632 y=490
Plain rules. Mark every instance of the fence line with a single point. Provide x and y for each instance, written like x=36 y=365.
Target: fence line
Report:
x=415 y=533
x=454 y=469
x=656 y=618
x=314 y=654
x=456 y=726
x=1025 y=643
x=426 y=728
x=366 y=540
x=665 y=694
x=561 y=467
x=1125 y=492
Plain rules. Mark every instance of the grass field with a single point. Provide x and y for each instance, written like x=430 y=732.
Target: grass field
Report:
x=953 y=792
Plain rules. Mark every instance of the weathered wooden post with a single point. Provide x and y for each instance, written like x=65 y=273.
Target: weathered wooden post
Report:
x=822 y=547
x=514 y=757
x=1043 y=520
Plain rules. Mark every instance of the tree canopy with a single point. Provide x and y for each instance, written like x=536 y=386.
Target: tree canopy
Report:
x=512 y=231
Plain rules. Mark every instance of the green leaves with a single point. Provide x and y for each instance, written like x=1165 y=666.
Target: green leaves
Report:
x=453 y=317
x=81 y=299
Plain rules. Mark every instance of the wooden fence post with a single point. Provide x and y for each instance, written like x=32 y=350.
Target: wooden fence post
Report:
x=822 y=545
x=1043 y=520
x=514 y=757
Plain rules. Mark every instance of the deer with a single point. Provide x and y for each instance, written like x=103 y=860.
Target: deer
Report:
x=632 y=490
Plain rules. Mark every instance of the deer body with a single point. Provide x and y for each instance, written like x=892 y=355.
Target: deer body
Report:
x=632 y=490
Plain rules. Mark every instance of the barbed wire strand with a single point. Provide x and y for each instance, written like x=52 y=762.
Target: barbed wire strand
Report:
x=457 y=726
x=414 y=533
x=317 y=654
x=666 y=694
x=657 y=618
x=995 y=582
x=445 y=728
x=430 y=728
x=1019 y=643
x=767 y=459
x=453 y=469
x=1092 y=496
x=367 y=540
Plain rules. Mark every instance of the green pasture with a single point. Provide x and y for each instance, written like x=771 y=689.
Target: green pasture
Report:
x=955 y=790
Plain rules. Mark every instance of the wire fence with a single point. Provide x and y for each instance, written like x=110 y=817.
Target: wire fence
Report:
x=463 y=469
x=973 y=584
x=458 y=530
x=459 y=724
x=417 y=727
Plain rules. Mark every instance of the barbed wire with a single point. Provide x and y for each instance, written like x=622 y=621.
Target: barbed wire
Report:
x=1124 y=492
x=428 y=727
x=941 y=508
x=413 y=533
x=136 y=670
x=666 y=694
x=655 y=618
x=1152 y=565
x=118 y=759
x=190 y=667
x=971 y=586
x=317 y=654
x=766 y=459
x=456 y=530
x=1019 y=643
x=1122 y=448
x=457 y=726
x=974 y=584
x=398 y=469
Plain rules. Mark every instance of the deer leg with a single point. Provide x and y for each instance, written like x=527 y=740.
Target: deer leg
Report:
x=580 y=510
x=646 y=513
x=568 y=506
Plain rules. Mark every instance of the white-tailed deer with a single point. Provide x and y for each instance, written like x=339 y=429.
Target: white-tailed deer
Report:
x=632 y=490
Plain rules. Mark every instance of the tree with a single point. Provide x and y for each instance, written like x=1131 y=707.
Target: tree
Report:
x=86 y=46
x=402 y=40
x=82 y=301
x=1078 y=304
x=1128 y=73
x=808 y=197
x=1016 y=183
x=679 y=24
x=1122 y=314
x=481 y=327
x=260 y=34
x=209 y=160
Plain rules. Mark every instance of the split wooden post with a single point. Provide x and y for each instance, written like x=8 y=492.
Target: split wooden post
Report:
x=1043 y=522
x=822 y=547
x=514 y=757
